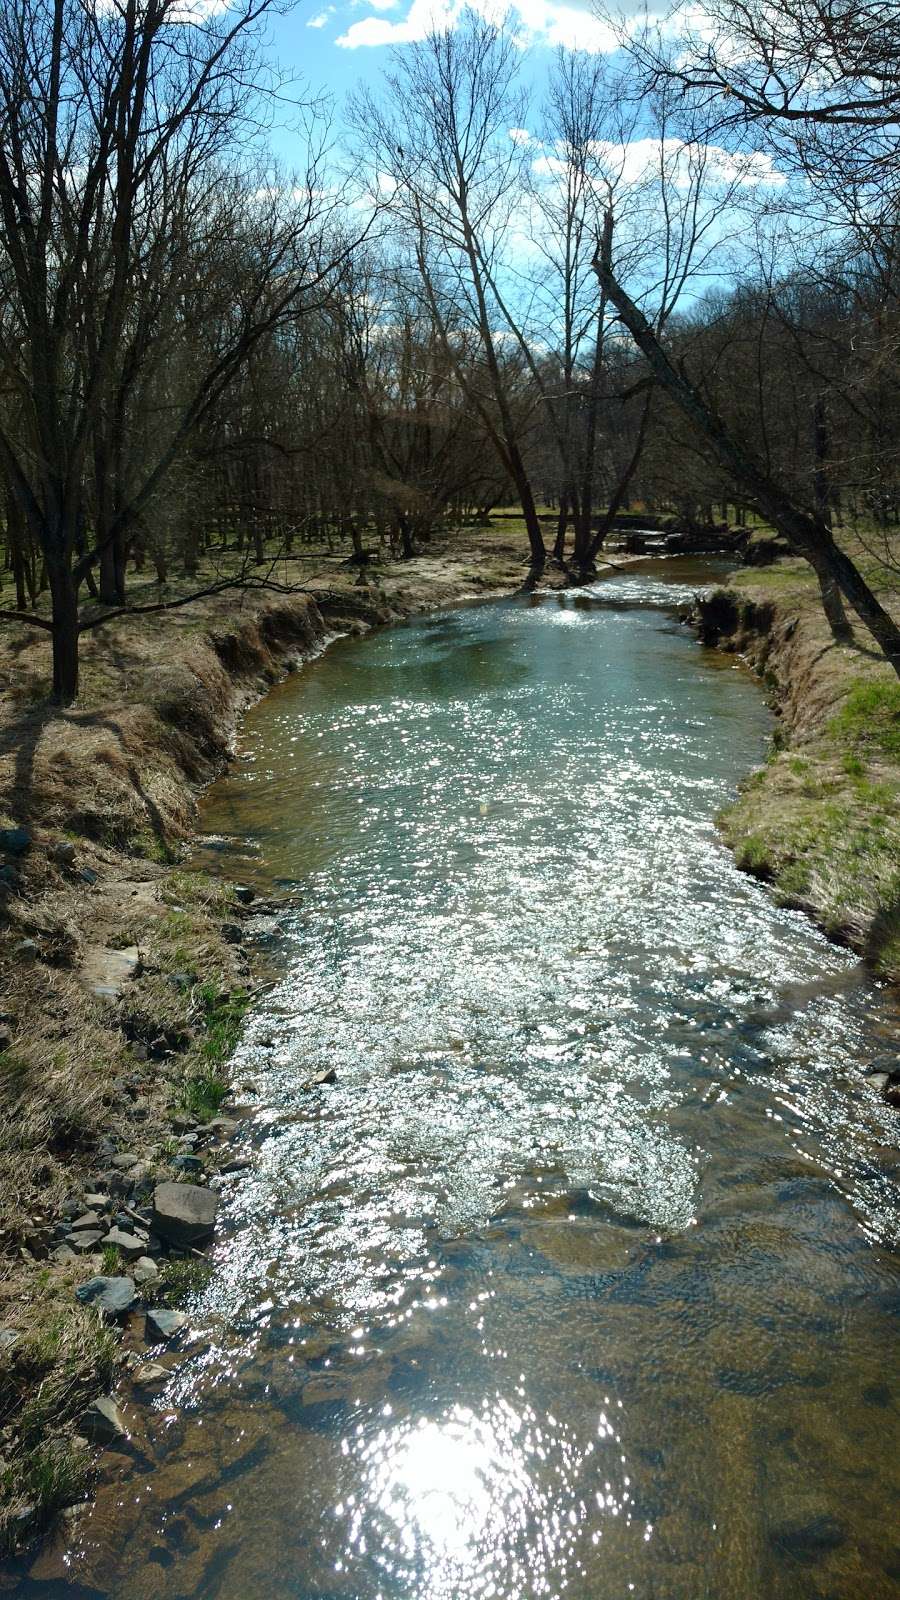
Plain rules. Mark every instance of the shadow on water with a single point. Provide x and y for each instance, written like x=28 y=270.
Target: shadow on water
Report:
x=579 y=1281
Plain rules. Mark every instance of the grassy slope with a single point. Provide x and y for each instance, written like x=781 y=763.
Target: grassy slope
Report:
x=821 y=820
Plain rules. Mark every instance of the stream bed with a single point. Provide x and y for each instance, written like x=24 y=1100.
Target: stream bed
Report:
x=580 y=1279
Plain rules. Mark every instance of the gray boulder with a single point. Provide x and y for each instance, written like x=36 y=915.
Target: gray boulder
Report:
x=112 y=1296
x=184 y=1214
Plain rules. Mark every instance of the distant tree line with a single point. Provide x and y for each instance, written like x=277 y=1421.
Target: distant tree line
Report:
x=675 y=284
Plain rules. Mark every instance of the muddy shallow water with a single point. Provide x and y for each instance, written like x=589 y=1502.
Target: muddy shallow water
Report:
x=580 y=1279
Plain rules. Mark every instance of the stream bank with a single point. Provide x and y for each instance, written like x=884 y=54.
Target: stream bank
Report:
x=820 y=821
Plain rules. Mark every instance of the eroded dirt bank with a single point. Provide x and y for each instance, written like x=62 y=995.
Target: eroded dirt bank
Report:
x=125 y=978
x=821 y=820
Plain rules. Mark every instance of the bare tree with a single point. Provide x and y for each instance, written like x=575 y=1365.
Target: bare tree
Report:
x=121 y=211
x=439 y=144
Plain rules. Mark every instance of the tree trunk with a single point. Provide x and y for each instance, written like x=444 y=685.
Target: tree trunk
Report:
x=64 y=612
x=562 y=522
x=15 y=531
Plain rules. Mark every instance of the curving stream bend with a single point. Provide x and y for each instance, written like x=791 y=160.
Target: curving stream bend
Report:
x=579 y=1280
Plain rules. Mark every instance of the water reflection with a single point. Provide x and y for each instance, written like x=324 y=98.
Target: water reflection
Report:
x=483 y=1501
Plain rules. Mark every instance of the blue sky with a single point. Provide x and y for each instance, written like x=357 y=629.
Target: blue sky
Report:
x=337 y=44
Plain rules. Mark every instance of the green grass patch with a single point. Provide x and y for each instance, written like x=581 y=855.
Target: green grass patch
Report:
x=178 y=1280
x=37 y=1484
x=869 y=721
x=205 y=1083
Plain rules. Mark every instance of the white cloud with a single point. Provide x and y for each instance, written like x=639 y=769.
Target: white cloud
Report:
x=540 y=22
x=520 y=135
x=321 y=17
x=643 y=159
x=423 y=17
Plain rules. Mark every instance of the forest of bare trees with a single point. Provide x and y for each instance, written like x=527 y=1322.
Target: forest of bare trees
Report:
x=668 y=281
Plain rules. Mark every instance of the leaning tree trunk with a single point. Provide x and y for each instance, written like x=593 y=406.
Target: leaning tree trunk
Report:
x=808 y=535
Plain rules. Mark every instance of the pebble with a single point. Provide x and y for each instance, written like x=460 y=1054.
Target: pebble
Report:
x=88 y=1219
x=188 y=1163
x=328 y=1076
x=27 y=950
x=63 y=852
x=231 y=933
x=9 y=1337
x=244 y=894
x=239 y=1164
x=145 y=1269
x=150 y=1372
x=84 y=1243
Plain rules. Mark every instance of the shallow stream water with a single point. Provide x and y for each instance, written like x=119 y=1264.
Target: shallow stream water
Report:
x=580 y=1279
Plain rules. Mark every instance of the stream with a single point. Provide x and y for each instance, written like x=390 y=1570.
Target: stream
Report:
x=580 y=1279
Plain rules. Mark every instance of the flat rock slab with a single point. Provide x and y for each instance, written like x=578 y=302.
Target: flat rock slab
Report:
x=112 y=1296
x=86 y=1241
x=126 y=1243
x=105 y=972
x=184 y=1213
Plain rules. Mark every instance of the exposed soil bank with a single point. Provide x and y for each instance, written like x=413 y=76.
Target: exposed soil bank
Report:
x=124 y=979
x=821 y=821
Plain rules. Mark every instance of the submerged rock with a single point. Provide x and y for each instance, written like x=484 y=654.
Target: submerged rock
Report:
x=102 y=1421
x=149 y=1373
x=183 y=1213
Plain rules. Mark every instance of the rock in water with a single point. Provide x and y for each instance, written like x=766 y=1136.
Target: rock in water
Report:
x=112 y=1296
x=150 y=1372
x=183 y=1213
x=164 y=1324
x=102 y=1422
